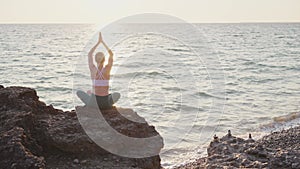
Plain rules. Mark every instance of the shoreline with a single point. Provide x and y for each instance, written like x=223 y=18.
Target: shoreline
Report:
x=280 y=149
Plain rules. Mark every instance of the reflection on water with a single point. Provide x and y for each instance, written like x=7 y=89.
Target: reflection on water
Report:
x=261 y=66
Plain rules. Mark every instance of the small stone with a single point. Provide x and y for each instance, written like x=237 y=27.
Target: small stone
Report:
x=250 y=139
x=83 y=162
x=75 y=161
x=295 y=165
x=229 y=133
x=216 y=138
x=13 y=165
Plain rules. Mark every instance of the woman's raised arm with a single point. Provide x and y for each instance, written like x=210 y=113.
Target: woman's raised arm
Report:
x=91 y=52
x=110 y=59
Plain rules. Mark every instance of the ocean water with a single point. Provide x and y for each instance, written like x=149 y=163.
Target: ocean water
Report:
x=190 y=85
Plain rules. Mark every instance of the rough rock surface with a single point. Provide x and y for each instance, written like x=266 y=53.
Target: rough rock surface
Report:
x=34 y=135
x=277 y=150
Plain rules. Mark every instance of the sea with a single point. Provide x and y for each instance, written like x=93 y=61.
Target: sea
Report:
x=190 y=81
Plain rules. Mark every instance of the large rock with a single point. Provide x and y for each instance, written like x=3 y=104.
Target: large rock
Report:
x=34 y=135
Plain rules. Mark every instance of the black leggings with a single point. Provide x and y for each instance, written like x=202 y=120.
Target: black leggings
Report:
x=103 y=102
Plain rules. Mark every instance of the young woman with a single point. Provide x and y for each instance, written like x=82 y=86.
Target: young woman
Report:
x=100 y=76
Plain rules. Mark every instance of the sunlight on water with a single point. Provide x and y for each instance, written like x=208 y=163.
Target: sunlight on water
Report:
x=261 y=66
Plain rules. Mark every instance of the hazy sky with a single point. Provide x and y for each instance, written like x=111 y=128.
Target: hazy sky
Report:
x=103 y=11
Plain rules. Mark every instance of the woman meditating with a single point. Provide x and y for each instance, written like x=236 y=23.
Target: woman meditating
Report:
x=100 y=76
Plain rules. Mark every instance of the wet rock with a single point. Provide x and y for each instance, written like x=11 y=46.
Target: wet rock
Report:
x=34 y=135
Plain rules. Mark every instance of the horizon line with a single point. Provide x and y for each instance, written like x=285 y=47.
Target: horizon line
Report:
x=90 y=23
